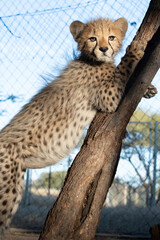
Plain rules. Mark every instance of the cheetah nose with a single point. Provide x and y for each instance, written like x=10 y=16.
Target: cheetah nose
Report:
x=103 y=49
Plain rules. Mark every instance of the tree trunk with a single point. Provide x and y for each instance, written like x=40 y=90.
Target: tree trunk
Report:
x=76 y=212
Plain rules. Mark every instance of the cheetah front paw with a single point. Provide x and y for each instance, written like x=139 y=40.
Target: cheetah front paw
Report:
x=150 y=92
x=136 y=49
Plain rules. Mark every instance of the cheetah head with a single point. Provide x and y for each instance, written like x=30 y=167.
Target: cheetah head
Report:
x=100 y=39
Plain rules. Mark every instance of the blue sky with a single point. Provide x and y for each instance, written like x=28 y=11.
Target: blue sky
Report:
x=35 y=40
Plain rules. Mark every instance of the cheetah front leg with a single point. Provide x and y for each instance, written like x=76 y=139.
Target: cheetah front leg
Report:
x=133 y=55
x=110 y=95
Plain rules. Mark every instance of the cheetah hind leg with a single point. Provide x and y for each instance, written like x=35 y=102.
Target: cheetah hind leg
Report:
x=150 y=92
x=10 y=194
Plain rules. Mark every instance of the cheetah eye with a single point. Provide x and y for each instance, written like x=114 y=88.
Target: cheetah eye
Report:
x=93 y=39
x=111 y=38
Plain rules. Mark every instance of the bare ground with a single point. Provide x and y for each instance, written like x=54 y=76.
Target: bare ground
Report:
x=22 y=235
x=15 y=235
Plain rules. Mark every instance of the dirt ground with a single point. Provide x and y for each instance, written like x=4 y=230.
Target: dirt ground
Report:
x=23 y=235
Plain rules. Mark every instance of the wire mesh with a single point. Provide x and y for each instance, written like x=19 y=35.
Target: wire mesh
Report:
x=35 y=42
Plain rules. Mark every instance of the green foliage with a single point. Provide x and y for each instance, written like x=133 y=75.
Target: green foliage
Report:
x=54 y=180
x=139 y=115
x=141 y=129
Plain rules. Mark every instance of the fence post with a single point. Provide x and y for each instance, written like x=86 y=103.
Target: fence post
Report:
x=26 y=196
x=69 y=161
x=149 y=187
x=155 y=150
x=49 y=180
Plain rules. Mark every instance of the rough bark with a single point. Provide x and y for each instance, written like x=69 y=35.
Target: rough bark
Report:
x=75 y=214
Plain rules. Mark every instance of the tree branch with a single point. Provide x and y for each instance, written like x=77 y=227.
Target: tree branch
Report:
x=137 y=172
x=75 y=214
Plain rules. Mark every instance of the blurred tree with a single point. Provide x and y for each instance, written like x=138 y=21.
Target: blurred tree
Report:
x=57 y=180
x=140 y=148
x=141 y=131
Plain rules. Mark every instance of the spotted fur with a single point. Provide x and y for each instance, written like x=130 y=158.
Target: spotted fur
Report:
x=52 y=123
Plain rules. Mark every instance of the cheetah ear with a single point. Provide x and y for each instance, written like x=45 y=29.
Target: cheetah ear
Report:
x=123 y=25
x=76 y=29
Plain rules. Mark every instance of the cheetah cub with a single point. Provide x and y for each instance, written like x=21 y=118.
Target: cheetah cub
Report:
x=51 y=124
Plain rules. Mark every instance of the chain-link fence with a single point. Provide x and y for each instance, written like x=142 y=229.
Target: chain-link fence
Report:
x=35 y=41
